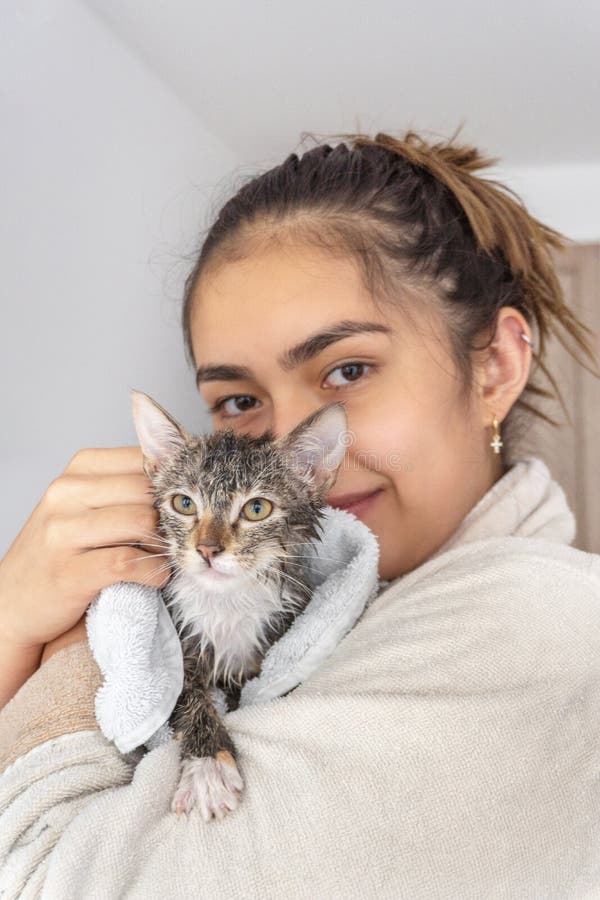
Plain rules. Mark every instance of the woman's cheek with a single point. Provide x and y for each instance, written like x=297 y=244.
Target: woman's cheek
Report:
x=384 y=451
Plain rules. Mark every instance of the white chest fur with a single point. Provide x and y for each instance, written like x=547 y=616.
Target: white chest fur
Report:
x=231 y=614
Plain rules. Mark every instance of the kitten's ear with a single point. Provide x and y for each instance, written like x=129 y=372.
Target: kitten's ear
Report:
x=158 y=432
x=316 y=446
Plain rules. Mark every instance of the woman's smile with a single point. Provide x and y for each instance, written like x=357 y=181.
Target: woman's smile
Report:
x=357 y=503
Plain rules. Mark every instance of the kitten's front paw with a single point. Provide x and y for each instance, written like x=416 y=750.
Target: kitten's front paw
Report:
x=211 y=783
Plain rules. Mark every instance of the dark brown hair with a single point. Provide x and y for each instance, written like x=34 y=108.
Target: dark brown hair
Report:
x=414 y=216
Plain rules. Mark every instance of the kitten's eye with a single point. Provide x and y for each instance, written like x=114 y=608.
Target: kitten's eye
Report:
x=257 y=509
x=183 y=504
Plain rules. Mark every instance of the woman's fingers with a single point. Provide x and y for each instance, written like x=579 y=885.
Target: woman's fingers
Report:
x=75 y=491
x=106 y=526
x=112 y=564
x=106 y=461
x=78 y=539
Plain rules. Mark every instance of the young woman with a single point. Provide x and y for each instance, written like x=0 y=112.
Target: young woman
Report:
x=449 y=748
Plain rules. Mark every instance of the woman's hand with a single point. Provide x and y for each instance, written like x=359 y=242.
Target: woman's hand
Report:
x=72 y=636
x=78 y=539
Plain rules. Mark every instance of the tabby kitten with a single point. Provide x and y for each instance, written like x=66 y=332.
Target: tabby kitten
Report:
x=236 y=513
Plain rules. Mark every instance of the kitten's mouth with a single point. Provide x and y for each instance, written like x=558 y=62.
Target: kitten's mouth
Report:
x=212 y=573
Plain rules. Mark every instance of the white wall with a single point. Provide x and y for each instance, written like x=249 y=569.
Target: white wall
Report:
x=105 y=182
x=565 y=197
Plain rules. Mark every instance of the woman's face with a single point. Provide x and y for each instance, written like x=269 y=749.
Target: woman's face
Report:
x=411 y=435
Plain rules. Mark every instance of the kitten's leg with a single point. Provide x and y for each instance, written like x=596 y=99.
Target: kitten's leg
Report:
x=232 y=695
x=209 y=779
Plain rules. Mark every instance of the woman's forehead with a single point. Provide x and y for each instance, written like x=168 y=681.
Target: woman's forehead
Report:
x=276 y=299
x=280 y=279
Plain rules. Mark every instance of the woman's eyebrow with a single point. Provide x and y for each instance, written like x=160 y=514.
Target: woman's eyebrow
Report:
x=296 y=355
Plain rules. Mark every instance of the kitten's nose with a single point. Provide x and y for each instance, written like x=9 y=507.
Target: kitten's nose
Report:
x=207 y=551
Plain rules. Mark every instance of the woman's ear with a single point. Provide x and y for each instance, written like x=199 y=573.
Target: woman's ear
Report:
x=503 y=368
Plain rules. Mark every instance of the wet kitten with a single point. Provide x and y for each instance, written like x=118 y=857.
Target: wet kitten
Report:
x=235 y=515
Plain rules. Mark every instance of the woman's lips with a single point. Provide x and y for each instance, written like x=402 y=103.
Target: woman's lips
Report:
x=355 y=503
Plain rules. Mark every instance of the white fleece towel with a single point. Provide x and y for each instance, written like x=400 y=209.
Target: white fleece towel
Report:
x=136 y=646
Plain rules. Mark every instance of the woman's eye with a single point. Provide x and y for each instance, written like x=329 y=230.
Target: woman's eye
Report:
x=218 y=407
x=256 y=509
x=183 y=504
x=241 y=403
x=347 y=368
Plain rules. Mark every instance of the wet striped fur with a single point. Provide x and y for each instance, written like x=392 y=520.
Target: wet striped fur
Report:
x=237 y=583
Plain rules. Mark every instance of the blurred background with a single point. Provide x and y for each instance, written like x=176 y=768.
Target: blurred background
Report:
x=125 y=126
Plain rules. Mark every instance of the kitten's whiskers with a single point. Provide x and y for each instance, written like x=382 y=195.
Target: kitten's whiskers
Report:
x=162 y=568
x=152 y=574
x=147 y=556
x=155 y=537
x=310 y=556
x=293 y=580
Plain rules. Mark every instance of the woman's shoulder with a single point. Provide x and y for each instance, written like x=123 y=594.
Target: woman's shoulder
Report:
x=504 y=601
x=517 y=562
x=534 y=582
x=563 y=571
x=498 y=616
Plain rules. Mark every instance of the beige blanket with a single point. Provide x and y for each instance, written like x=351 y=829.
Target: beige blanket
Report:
x=449 y=748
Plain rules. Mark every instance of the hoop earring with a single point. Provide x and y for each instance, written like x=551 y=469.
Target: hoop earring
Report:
x=527 y=339
x=496 y=443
